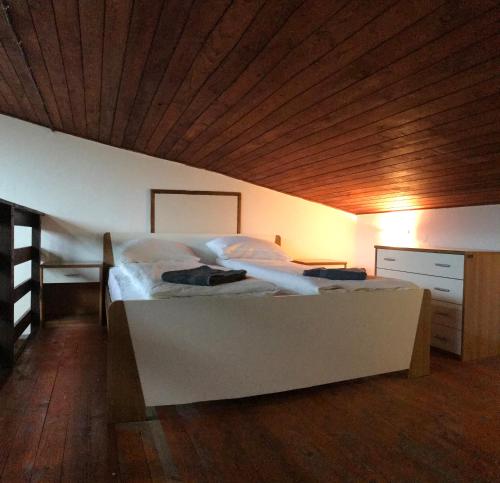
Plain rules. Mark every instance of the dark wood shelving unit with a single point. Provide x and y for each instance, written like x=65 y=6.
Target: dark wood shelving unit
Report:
x=12 y=215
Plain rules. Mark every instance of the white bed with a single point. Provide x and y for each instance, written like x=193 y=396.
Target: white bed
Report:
x=190 y=349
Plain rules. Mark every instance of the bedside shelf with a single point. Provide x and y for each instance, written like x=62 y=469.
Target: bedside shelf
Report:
x=320 y=262
x=69 y=288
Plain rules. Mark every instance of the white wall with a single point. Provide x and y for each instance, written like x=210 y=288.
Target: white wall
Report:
x=473 y=227
x=87 y=188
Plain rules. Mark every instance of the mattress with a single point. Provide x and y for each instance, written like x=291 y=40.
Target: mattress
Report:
x=289 y=276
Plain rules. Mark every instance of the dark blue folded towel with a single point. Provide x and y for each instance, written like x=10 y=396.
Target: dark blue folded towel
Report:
x=203 y=275
x=337 y=273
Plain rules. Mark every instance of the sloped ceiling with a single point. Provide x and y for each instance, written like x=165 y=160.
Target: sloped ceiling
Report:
x=367 y=106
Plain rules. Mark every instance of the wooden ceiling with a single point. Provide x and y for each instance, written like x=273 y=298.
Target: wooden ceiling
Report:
x=363 y=105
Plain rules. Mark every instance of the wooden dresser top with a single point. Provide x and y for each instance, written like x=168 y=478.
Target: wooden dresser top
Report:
x=437 y=250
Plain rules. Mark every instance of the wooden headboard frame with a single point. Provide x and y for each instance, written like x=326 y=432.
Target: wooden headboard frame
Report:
x=155 y=192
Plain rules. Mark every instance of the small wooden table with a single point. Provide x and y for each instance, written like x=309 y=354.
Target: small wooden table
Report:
x=72 y=273
x=320 y=262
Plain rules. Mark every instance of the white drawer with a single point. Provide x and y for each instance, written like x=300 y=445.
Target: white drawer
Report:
x=449 y=315
x=70 y=275
x=446 y=338
x=445 y=289
x=427 y=263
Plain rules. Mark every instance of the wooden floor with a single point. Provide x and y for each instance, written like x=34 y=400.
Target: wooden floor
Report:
x=445 y=427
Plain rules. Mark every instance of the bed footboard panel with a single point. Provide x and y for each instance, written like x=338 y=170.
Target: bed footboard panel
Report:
x=209 y=348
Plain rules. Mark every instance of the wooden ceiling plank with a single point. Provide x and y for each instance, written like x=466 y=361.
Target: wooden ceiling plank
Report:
x=482 y=147
x=266 y=23
x=308 y=122
x=387 y=103
x=459 y=174
x=430 y=169
x=410 y=51
x=481 y=197
x=374 y=34
x=441 y=101
x=219 y=45
x=91 y=14
x=10 y=104
x=30 y=66
x=456 y=203
x=16 y=86
x=203 y=18
x=475 y=136
x=422 y=160
x=44 y=23
x=144 y=23
x=7 y=107
x=330 y=198
x=117 y=16
x=408 y=146
x=298 y=28
x=468 y=198
x=68 y=28
x=454 y=114
x=427 y=163
x=389 y=115
x=479 y=183
x=300 y=69
x=166 y=38
x=420 y=167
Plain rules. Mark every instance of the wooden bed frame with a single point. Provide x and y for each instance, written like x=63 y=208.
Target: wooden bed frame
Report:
x=126 y=400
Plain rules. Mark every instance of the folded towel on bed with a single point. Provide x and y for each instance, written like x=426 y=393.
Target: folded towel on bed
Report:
x=337 y=273
x=204 y=276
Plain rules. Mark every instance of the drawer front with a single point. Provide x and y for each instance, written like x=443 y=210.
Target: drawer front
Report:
x=446 y=338
x=444 y=289
x=449 y=315
x=70 y=275
x=427 y=263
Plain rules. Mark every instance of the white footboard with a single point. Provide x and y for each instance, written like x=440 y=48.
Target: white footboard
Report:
x=208 y=348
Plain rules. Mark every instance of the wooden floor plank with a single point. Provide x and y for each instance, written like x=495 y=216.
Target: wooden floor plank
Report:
x=444 y=427
x=132 y=457
x=441 y=428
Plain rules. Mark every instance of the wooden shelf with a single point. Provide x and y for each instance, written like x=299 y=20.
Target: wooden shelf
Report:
x=320 y=261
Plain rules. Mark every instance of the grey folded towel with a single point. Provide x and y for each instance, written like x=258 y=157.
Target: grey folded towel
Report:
x=337 y=273
x=203 y=275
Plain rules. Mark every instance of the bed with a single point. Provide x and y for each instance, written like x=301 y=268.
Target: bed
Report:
x=190 y=349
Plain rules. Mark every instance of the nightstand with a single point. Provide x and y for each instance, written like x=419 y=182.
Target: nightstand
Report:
x=323 y=262
x=71 y=290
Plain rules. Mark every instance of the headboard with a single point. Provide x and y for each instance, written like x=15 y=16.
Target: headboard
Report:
x=184 y=211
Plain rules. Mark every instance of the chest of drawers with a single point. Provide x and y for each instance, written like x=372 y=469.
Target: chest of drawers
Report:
x=465 y=287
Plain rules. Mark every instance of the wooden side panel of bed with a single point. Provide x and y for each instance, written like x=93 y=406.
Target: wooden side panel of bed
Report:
x=108 y=262
x=125 y=398
x=420 y=359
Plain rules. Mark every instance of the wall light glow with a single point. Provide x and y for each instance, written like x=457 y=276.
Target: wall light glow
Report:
x=398 y=228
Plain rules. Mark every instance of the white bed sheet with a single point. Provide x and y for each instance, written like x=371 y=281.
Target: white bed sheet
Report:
x=146 y=279
x=288 y=276
x=121 y=287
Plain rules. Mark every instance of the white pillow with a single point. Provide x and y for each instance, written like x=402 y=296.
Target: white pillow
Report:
x=227 y=247
x=151 y=250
